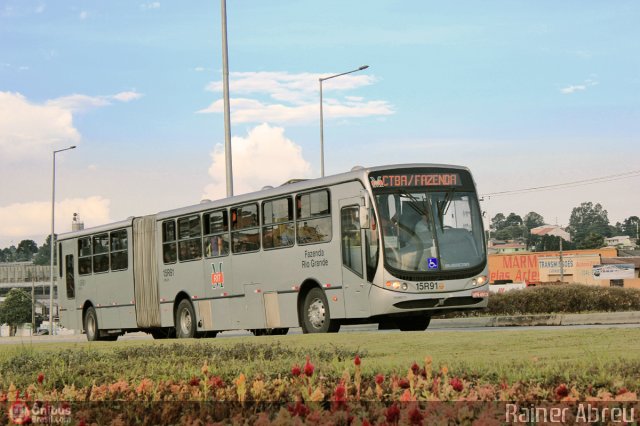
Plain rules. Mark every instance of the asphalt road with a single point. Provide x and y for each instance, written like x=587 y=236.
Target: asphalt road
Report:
x=346 y=329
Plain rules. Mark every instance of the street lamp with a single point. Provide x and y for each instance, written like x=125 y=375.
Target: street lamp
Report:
x=52 y=243
x=364 y=67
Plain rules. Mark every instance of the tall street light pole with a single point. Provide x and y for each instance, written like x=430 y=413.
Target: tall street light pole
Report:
x=52 y=243
x=364 y=67
x=225 y=90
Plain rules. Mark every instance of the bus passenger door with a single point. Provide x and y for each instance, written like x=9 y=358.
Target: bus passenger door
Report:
x=355 y=286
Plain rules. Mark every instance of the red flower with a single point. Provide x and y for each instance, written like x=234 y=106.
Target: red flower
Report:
x=339 y=397
x=365 y=422
x=299 y=409
x=415 y=368
x=404 y=383
x=340 y=392
x=215 y=382
x=392 y=414
x=379 y=379
x=295 y=370
x=357 y=361
x=562 y=391
x=622 y=391
x=40 y=378
x=308 y=368
x=195 y=381
x=456 y=384
x=415 y=416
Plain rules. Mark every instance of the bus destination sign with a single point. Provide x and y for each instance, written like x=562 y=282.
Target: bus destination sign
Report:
x=415 y=179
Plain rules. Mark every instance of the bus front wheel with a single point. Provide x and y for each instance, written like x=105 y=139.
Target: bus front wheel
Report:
x=185 y=320
x=316 y=317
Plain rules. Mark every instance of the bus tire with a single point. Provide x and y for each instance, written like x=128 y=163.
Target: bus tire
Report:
x=413 y=323
x=91 y=324
x=185 y=320
x=316 y=317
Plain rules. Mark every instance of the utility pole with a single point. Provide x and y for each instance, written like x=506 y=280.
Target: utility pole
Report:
x=561 y=263
x=227 y=108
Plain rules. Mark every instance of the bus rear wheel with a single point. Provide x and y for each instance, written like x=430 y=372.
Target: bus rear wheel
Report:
x=316 y=317
x=185 y=320
x=91 y=324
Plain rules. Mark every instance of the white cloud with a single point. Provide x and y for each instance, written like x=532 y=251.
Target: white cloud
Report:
x=294 y=98
x=150 y=5
x=83 y=15
x=127 y=96
x=295 y=88
x=578 y=87
x=26 y=128
x=81 y=103
x=22 y=220
x=264 y=157
x=78 y=102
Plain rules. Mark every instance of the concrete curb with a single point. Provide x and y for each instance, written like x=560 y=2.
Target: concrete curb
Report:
x=631 y=317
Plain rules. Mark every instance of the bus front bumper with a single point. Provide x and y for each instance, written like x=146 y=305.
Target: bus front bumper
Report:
x=385 y=301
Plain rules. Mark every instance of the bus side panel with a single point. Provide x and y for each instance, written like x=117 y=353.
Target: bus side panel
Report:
x=288 y=313
x=218 y=286
x=106 y=289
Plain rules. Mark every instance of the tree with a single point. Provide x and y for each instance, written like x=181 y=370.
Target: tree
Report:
x=533 y=220
x=588 y=219
x=630 y=226
x=16 y=309
x=43 y=257
x=549 y=243
x=25 y=251
x=9 y=254
x=592 y=241
x=511 y=233
x=498 y=222
x=513 y=220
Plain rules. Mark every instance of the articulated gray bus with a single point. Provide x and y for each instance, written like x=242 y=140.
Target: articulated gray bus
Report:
x=391 y=245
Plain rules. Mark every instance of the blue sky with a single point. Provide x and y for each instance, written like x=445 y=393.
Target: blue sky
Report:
x=524 y=93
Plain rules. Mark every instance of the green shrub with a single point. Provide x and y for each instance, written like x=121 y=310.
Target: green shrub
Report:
x=564 y=299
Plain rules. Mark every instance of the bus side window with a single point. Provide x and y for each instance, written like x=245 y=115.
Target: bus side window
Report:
x=246 y=230
x=169 y=252
x=84 y=256
x=351 y=241
x=70 y=279
x=119 y=250
x=372 y=246
x=216 y=233
x=101 y=253
x=189 y=238
x=313 y=217
x=277 y=221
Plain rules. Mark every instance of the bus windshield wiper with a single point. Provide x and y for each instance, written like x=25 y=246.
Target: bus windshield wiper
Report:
x=443 y=206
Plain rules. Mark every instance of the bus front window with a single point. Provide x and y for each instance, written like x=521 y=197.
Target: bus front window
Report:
x=430 y=231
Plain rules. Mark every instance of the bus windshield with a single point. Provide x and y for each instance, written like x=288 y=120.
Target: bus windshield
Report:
x=430 y=231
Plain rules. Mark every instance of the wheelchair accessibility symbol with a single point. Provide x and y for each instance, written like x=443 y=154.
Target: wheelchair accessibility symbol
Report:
x=432 y=263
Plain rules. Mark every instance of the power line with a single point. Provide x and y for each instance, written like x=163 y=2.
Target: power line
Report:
x=565 y=185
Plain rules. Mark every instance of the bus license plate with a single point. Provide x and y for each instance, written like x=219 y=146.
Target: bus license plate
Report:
x=430 y=285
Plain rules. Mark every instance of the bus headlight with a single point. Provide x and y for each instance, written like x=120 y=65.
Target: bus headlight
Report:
x=478 y=281
x=396 y=285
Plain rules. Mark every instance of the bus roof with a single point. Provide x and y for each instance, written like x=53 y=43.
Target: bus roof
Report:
x=297 y=186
